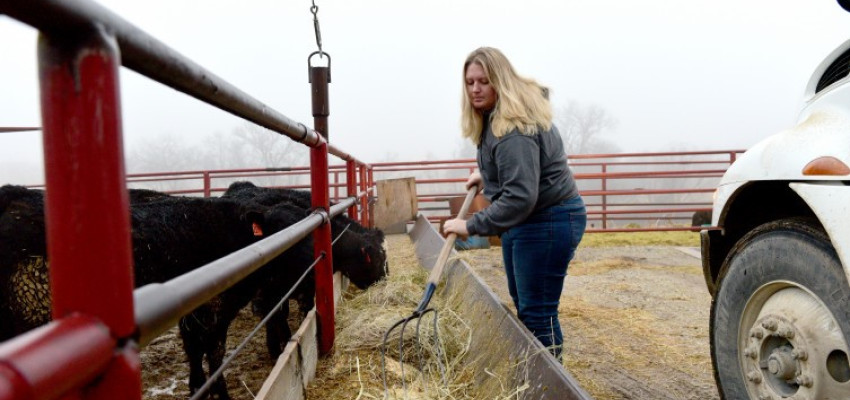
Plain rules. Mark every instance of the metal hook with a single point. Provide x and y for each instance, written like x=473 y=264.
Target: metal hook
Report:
x=310 y=65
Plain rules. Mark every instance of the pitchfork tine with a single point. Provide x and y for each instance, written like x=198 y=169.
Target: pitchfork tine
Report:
x=384 y=352
x=422 y=307
x=436 y=346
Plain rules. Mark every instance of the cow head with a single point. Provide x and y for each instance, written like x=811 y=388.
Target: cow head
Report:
x=372 y=264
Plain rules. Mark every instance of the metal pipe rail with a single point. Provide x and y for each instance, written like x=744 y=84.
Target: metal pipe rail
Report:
x=148 y=56
x=34 y=368
x=160 y=305
x=81 y=48
x=731 y=153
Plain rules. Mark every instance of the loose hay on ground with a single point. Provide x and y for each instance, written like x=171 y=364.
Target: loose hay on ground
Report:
x=355 y=372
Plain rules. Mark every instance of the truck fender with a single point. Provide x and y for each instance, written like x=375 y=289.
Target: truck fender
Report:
x=831 y=204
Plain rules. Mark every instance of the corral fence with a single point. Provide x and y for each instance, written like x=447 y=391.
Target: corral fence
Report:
x=625 y=192
x=91 y=349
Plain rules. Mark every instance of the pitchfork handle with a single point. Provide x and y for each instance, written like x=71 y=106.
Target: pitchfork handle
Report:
x=437 y=271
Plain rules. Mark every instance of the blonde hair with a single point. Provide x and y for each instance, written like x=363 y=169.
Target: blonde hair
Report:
x=521 y=103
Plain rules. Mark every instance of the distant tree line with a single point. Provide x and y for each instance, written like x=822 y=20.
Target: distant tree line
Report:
x=248 y=146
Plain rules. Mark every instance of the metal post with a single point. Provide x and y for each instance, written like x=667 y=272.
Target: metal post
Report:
x=336 y=186
x=351 y=186
x=370 y=184
x=604 y=197
x=87 y=207
x=364 y=201
x=319 y=78
x=207 y=184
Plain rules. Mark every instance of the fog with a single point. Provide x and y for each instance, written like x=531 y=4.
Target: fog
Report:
x=676 y=75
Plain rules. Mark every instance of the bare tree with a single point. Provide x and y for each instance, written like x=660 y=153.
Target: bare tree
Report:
x=581 y=126
x=249 y=146
x=260 y=147
x=222 y=151
x=268 y=149
x=165 y=152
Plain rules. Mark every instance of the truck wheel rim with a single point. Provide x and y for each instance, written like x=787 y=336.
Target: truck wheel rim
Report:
x=791 y=346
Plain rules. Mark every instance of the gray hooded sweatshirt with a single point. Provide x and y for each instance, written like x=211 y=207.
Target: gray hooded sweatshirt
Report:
x=521 y=174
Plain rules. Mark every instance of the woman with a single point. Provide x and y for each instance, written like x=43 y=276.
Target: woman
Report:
x=535 y=205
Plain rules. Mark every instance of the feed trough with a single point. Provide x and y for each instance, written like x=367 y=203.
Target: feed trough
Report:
x=502 y=352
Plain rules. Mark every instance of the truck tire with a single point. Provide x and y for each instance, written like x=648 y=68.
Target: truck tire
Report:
x=780 y=321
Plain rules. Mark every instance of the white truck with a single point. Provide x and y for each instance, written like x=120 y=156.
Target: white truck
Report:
x=779 y=266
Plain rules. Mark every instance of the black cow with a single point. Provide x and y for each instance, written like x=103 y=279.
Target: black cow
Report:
x=359 y=254
x=24 y=294
x=363 y=269
x=172 y=236
x=24 y=290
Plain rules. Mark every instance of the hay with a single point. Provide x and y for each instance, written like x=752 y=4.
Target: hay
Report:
x=363 y=317
x=29 y=283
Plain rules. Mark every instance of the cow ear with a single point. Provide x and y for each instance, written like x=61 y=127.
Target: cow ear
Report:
x=257 y=221
x=365 y=255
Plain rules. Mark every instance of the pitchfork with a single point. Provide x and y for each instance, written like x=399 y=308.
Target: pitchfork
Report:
x=422 y=308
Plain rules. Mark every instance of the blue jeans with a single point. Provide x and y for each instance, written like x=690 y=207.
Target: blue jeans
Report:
x=536 y=255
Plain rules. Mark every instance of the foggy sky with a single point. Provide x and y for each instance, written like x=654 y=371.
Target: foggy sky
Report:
x=677 y=75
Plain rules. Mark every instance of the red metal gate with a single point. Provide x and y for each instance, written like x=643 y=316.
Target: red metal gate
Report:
x=90 y=351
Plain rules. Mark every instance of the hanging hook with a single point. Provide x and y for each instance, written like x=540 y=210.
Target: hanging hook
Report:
x=315 y=10
x=310 y=65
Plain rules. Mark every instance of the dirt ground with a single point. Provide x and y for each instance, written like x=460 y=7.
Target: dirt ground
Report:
x=165 y=372
x=635 y=322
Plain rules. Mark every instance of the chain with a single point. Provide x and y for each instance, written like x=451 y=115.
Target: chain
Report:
x=315 y=10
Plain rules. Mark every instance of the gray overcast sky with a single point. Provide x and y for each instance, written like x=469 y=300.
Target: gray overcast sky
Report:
x=677 y=75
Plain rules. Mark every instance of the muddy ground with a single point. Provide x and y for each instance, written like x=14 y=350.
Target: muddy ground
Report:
x=635 y=322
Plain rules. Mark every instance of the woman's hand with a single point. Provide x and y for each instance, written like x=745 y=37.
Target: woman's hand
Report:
x=474 y=180
x=457 y=226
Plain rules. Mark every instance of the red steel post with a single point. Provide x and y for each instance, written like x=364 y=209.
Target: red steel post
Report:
x=207 y=184
x=370 y=184
x=86 y=202
x=604 y=197
x=351 y=186
x=364 y=201
x=319 y=177
x=322 y=245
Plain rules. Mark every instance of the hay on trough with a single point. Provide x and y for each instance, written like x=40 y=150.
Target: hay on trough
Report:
x=355 y=372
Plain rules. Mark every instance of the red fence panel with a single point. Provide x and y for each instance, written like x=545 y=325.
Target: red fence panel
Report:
x=87 y=207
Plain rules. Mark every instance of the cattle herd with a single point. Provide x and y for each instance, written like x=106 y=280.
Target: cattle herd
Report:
x=172 y=235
